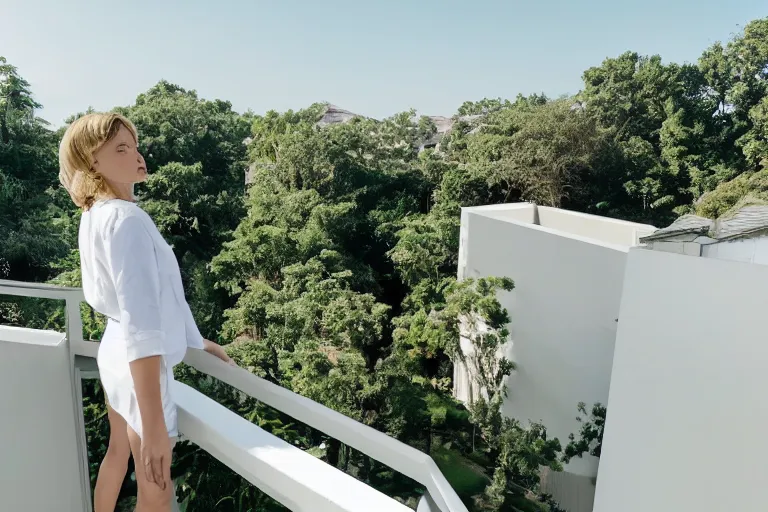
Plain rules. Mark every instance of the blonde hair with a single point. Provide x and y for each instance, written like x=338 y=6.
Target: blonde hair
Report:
x=81 y=140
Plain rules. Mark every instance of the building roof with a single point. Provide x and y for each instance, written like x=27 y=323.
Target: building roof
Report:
x=444 y=126
x=742 y=223
x=687 y=224
x=336 y=115
x=442 y=123
x=746 y=221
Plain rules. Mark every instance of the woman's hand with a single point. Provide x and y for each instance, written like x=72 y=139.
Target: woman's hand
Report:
x=218 y=351
x=156 y=454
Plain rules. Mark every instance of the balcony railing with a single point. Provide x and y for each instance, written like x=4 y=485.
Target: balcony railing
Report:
x=289 y=475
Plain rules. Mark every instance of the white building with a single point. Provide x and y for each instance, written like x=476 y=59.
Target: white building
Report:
x=665 y=326
x=739 y=236
x=687 y=412
x=568 y=270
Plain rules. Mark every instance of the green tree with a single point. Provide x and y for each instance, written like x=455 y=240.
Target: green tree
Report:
x=590 y=439
x=31 y=212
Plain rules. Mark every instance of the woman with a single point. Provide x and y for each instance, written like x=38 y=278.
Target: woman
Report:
x=130 y=274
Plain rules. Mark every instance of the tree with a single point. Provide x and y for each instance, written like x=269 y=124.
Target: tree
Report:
x=31 y=212
x=729 y=195
x=590 y=440
x=17 y=107
x=747 y=54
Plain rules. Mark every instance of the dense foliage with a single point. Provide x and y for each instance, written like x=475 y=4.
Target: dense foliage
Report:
x=333 y=272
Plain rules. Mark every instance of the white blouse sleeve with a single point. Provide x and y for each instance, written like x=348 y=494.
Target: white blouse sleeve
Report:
x=133 y=264
x=194 y=338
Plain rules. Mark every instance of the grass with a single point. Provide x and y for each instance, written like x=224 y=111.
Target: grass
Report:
x=466 y=477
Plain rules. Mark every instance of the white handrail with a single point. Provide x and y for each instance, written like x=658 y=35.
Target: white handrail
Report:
x=72 y=298
x=399 y=456
x=288 y=474
x=41 y=290
x=377 y=445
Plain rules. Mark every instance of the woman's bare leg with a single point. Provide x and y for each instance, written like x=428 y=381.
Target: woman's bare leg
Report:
x=114 y=466
x=150 y=498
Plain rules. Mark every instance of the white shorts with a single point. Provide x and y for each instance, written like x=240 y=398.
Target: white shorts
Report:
x=115 y=376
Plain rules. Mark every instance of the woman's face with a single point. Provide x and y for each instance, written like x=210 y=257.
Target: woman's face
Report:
x=119 y=160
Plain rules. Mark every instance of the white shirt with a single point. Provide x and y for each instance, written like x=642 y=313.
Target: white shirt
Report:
x=130 y=274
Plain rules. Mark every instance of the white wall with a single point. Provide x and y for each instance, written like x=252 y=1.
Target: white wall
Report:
x=519 y=212
x=612 y=231
x=516 y=212
x=564 y=310
x=748 y=250
x=39 y=458
x=687 y=413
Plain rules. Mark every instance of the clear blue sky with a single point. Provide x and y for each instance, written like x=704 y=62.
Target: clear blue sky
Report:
x=374 y=57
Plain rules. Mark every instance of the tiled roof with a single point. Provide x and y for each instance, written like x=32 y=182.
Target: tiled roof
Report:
x=683 y=225
x=744 y=222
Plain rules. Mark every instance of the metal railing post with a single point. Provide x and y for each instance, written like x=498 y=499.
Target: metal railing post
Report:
x=427 y=504
x=72 y=298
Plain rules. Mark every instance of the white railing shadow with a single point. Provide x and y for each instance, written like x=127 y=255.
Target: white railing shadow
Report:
x=440 y=496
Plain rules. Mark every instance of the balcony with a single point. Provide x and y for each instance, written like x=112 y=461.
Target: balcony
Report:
x=43 y=444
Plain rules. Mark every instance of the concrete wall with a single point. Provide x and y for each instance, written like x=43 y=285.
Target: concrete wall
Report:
x=574 y=493
x=516 y=212
x=563 y=309
x=747 y=250
x=39 y=459
x=687 y=413
x=611 y=231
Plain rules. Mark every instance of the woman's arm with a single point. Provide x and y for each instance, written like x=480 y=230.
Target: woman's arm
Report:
x=156 y=450
x=218 y=351
x=133 y=265
x=145 y=373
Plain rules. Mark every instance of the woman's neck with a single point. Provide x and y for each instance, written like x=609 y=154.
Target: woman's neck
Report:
x=122 y=191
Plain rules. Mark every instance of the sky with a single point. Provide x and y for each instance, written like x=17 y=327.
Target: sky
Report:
x=373 y=57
